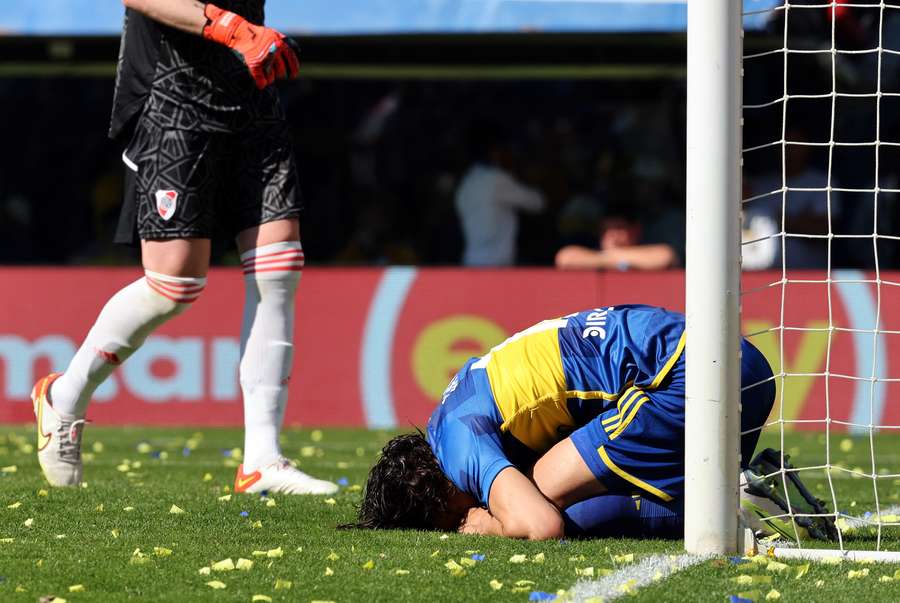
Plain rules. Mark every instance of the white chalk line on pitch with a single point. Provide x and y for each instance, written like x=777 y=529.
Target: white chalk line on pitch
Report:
x=628 y=579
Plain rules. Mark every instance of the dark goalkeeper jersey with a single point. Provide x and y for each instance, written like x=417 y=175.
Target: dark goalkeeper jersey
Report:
x=188 y=82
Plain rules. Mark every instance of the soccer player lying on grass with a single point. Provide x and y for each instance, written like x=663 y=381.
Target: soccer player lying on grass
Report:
x=574 y=426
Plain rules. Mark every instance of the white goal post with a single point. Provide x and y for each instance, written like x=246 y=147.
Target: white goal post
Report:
x=714 y=199
x=712 y=276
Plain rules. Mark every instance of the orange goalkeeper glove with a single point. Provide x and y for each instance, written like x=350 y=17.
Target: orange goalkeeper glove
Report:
x=267 y=53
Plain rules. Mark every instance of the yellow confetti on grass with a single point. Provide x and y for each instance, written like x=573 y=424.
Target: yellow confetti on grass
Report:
x=244 y=564
x=262 y=598
x=330 y=501
x=128 y=509
x=587 y=572
x=775 y=566
x=283 y=584
x=207 y=477
x=802 y=570
x=29 y=522
x=368 y=565
x=852 y=574
x=43 y=492
x=773 y=595
x=76 y=588
x=886 y=579
x=627 y=558
x=401 y=572
x=453 y=566
x=316 y=435
x=14 y=505
x=204 y=571
x=216 y=585
x=225 y=498
x=256 y=524
x=467 y=561
x=538 y=558
x=329 y=571
x=275 y=553
x=496 y=584
x=332 y=556
x=161 y=551
x=9 y=469
x=270 y=503
x=820 y=583
x=746 y=580
x=518 y=559
x=846 y=445
x=225 y=565
x=7 y=540
x=832 y=560
x=176 y=510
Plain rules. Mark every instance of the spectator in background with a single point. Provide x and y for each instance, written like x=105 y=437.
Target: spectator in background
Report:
x=806 y=208
x=489 y=198
x=623 y=246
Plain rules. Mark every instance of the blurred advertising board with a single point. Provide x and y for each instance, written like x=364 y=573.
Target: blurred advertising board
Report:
x=366 y=17
x=376 y=347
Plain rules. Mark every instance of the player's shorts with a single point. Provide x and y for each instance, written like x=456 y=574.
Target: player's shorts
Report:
x=639 y=445
x=196 y=184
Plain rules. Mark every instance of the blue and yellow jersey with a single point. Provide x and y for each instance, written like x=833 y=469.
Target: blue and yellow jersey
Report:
x=529 y=392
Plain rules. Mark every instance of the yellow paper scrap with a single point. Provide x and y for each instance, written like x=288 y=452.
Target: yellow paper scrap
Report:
x=270 y=503
x=43 y=492
x=623 y=558
x=225 y=498
x=256 y=524
x=332 y=556
x=207 y=477
x=176 y=510
x=858 y=573
x=467 y=561
x=775 y=566
x=846 y=445
x=802 y=570
x=262 y=598
x=524 y=582
x=15 y=505
x=539 y=558
x=29 y=522
x=587 y=572
x=243 y=564
x=329 y=571
x=76 y=588
x=128 y=509
x=496 y=584
x=259 y=553
x=330 y=501
x=215 y=584
x=518 y=559
x=886 y=579
x=773 y=595
x=114 y=532
x=7 y=540
x=820 y=583
x=316 y=435
x=283 y=584
x=225 y=565
x=401 y=572
x=9 y=469
x=161 y=551
x=204 y=571
x=368 y=565
x=144 y=447
x=274 y=553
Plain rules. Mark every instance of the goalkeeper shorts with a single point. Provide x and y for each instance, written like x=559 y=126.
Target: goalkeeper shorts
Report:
x=199 y=184
x=639 y=445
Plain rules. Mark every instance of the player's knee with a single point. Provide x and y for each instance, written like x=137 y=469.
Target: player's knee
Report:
x=169 y=296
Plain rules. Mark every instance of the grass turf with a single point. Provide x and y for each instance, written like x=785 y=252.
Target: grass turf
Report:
x=87 y=537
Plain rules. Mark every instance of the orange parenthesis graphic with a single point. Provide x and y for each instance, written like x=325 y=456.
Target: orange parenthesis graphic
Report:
x=808 y=358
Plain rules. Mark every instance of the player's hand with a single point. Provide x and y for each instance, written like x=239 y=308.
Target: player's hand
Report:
x=267 y=53
x=478 y=520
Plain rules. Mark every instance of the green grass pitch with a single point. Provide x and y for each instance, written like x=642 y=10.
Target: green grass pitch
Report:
x=53 y=540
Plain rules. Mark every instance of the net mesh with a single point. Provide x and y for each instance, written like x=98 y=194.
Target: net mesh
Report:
x=821 y=164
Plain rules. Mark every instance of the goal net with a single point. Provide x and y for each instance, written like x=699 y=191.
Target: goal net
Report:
x=821 y=161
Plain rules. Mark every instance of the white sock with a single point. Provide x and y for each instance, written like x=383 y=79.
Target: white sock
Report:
x=124 y=323
x=271 y=275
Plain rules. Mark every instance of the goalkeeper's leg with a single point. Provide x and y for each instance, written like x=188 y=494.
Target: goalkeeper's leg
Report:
x=175 y=275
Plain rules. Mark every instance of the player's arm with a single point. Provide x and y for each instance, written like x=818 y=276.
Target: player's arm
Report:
x=267 y=53
x=186 y=15
x=517 y=510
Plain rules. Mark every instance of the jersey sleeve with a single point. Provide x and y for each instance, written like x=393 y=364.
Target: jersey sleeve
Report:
x=469 y=451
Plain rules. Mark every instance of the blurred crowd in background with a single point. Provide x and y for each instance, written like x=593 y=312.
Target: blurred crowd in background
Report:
x=575 y=173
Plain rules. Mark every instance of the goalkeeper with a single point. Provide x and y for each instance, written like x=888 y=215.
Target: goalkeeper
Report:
x=573 y=426
x=208 y=151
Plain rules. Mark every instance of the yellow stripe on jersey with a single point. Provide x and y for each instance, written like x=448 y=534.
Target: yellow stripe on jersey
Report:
x=529 y=385
x=625 y=400
x=630 y=478
x=625 y=422
x=669 y=363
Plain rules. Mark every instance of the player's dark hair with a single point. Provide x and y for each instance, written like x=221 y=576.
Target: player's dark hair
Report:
x=406 y=487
